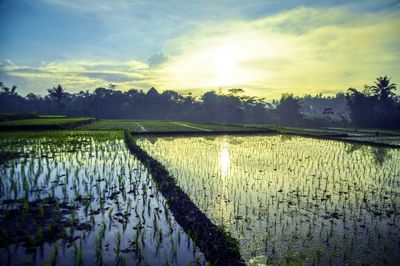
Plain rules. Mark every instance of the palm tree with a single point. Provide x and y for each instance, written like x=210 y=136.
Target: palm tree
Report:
x=57 y=93
x=383 y=88
x=7 y=90
x=13 y=91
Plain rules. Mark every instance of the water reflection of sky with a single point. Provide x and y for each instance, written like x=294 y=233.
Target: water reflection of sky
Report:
x=93 y=169
x=224 y=160
x=280 y=195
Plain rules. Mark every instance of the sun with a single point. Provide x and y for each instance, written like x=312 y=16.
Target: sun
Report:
x=211 y=66
x=225 y=64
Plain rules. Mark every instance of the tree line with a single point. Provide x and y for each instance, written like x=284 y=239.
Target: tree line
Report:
x=374 y=106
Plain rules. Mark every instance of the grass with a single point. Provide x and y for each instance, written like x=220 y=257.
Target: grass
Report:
x=43 y=121
x=108 y=124
x=52 y=116
x=393 y=141
x=151 y=126
x=16 y=116
x=46 y=123
x=221 y=127
x=329 y=131
x=367 y=131
x=65 y=137
x=301 y=131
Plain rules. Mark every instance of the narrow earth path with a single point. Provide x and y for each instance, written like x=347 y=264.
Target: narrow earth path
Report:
x=184 y=125
x=218 y=247
x=141 y=127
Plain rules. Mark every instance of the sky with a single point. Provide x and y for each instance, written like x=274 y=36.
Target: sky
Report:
x=264 y=47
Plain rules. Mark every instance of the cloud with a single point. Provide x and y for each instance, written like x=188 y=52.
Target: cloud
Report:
x=305 y=50
x=157 y=59
x=109 y=77
x=6 y=63
x=76 y=75
x=263 y=48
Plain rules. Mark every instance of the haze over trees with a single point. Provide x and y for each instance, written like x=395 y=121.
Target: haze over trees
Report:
x=376 y=106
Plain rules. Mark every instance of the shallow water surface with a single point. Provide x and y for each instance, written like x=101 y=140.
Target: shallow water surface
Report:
x=109 y=211
x=291 y=198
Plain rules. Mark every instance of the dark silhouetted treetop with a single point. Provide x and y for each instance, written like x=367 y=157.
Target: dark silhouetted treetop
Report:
x=7 y=90
x=152 y=93
x=57 y=93
x=375 y=106
x=289 y=108
x=383 y=88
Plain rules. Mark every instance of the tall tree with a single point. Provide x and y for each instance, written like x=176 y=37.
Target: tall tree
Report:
x=376 y=106
x=7 y=90
x=289 y=109
x=383 y=88
x=58 y=94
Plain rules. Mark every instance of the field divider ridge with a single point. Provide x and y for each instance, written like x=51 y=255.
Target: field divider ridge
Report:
x=38 y=127
x=184 y=125
x=205 y=133
x=345 y=139
x=141 y=127
x=218 y=246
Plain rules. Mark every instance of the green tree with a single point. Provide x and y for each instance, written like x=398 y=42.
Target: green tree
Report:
x=58 y=94
x=7 y=90
x=289 y=109
x=383 y=88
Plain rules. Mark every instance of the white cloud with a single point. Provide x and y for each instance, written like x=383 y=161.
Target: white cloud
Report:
x=299 y=51
x=78 y=75
x=6 y=63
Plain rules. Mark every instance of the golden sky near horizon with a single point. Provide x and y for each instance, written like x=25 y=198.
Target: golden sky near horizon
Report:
x=299 y=50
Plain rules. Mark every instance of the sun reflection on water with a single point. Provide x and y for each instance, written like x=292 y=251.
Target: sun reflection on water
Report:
x=224 y=160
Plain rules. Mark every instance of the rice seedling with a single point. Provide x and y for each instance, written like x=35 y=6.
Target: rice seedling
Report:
x=281 y=194
x=141 y=126
x=81 y=188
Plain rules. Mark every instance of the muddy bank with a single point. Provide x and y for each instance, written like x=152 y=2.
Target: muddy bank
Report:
x=204 y=133
x=218 y=247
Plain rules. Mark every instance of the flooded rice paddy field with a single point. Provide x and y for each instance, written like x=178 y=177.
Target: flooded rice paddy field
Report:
x=77 y=197
x=292 y=199
x=392 y=140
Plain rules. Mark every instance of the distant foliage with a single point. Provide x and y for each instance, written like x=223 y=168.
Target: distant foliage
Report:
x=376 y=106
x=137 y=104
x=289 y=109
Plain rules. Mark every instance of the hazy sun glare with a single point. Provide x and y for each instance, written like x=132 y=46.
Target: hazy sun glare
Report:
x=280 y=54
x=225 y=64
x=299 y=50
x=224 y=159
